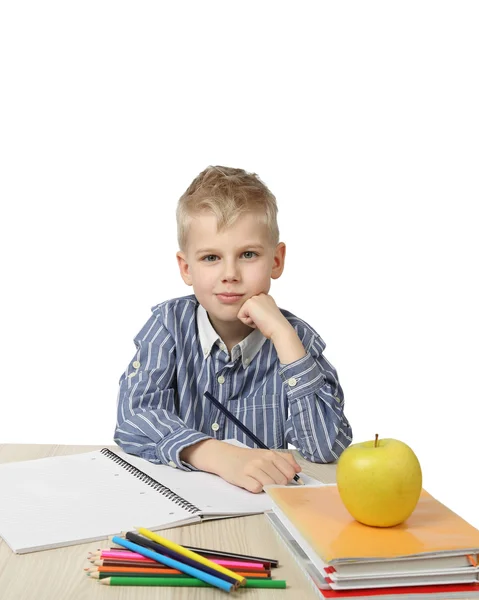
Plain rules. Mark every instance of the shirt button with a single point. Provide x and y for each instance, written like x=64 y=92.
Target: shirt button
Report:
x=136 y=364
x=247 y=361
x=206 y=352
x=215 y=427
x=292 y=382
x=172 y=464
x=221 y=379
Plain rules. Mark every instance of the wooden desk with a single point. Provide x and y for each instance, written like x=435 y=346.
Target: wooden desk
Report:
x=58 y=574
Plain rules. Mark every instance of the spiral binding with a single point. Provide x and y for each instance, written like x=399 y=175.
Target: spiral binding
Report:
x=156 y=485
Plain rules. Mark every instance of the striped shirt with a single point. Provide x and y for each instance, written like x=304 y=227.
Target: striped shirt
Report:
x=161 y=404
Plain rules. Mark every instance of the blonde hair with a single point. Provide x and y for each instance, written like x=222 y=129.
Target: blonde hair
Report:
x=227 y=193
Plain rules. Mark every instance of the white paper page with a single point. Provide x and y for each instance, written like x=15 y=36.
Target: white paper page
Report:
x=211 y=494
x=63 y=500
x=208 y=492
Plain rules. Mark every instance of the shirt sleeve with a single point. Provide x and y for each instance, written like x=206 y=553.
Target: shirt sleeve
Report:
x=316 y=425
x=147 y=421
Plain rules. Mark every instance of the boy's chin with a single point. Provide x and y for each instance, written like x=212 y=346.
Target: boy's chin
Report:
x=227 y=316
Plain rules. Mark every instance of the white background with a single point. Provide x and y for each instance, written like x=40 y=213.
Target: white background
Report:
x=361 y=117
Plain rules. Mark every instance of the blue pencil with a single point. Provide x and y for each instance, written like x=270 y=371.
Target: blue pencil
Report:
x=174 y=564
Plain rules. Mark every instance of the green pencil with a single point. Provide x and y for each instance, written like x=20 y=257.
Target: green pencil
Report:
x=183 y=582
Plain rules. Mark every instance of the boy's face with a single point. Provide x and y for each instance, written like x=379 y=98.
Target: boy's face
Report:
x=227 y=268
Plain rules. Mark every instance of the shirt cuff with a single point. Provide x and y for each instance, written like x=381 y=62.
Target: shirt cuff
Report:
x=302 y=377
x=169 y=449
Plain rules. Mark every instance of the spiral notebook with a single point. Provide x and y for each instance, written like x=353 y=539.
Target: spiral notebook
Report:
x=64 y=500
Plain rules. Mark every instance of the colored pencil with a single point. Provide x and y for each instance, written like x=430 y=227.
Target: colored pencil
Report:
x=148 y=567
x=172 y=546
x=120 y=557
x=225 y=574
x=178 y=582
x=175 y=573
x=206 y=577
x=274 y=562
x=115 y=574
x=161 y=569
x=244 y=429
x=158 y=572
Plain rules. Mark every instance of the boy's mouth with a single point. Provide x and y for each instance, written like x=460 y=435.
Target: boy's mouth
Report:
x=228 y=298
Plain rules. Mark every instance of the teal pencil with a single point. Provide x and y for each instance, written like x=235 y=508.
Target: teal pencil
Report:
x=183 y=582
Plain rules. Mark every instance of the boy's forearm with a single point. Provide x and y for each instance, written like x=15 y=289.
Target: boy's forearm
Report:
x=202 y=454
x=288 y=345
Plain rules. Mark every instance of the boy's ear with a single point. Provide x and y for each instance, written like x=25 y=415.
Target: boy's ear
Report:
x=278 y=260
x=184 y=268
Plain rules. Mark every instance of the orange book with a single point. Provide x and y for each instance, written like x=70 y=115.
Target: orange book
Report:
x=319 y=515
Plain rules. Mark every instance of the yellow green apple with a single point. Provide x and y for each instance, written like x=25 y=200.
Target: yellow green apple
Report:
x=379 y=481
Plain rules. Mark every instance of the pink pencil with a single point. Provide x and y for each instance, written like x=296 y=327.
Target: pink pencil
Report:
x=229 y=564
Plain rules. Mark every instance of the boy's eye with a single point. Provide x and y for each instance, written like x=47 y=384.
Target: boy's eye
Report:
x=249 y=254
x=210 y=258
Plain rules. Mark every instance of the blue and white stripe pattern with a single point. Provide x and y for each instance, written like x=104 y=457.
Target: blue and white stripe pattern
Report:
x=161 y=404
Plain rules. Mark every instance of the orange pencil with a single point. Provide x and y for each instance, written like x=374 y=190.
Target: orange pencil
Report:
x=165 y=571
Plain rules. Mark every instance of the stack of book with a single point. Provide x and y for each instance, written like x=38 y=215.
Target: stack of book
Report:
x=433 y=554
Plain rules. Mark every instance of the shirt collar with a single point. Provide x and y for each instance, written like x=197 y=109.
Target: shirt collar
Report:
x=247 y=348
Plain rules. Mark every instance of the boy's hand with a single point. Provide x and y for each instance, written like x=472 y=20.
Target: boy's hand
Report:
x=263 y=313
x=252 y=469
x=248 y=468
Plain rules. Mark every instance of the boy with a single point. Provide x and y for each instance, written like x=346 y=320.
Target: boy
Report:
x=230 y=338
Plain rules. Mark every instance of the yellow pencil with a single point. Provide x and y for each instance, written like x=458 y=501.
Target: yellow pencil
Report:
x=190 y=554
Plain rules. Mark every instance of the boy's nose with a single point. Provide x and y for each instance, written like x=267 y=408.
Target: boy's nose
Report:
x=230 y=276
x=230 y=272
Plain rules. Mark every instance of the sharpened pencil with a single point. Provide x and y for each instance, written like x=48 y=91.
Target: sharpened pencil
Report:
x=174 y=573
x=208 y=552
x=176 y=582
x=112 y=557
x=273 y=562
x=116 y=566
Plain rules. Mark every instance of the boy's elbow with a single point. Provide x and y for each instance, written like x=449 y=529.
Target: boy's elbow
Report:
x=317 y=455
x=328 y=453
x=119 y=436
x=117 y=439
x=342 y=441
x=324 y=457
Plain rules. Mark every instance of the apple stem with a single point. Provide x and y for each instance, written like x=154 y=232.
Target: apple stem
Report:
x=376 y=441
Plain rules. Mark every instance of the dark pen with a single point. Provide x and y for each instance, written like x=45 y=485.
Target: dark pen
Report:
x=244 y=429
